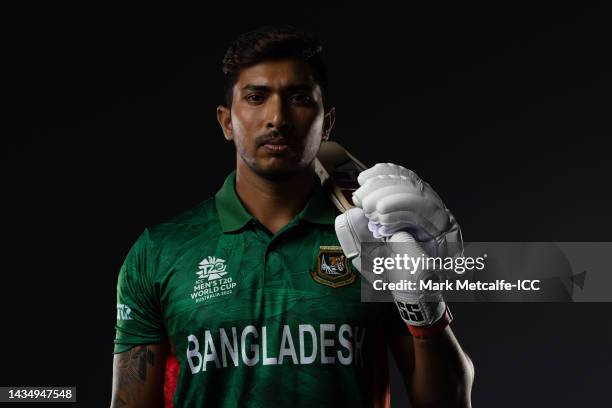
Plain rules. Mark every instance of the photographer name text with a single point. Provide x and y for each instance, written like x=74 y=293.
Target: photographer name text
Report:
x=459 y=285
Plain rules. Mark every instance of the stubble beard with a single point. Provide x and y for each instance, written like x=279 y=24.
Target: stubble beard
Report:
x=272 y=173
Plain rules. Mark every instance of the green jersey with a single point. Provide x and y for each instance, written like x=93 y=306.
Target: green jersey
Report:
x=256 y=319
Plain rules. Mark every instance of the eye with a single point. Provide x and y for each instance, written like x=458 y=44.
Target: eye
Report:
x=254 y=98
x=303 y=99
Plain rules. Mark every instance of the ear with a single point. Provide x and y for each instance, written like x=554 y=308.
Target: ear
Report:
x=328 y=122
x=224 y=117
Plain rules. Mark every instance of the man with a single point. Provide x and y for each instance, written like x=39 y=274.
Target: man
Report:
x=251 y=289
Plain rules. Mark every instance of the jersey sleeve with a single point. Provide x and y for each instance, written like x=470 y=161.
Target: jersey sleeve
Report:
x=139 y=317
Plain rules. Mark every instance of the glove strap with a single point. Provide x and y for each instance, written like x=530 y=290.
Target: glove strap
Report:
x=423 y=332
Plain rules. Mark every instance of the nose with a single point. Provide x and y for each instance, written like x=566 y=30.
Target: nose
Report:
x=277 y=115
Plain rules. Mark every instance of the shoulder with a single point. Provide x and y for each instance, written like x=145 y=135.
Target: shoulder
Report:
x=201 y=219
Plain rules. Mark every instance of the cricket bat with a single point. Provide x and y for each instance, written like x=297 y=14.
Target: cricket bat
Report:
x=338 y=170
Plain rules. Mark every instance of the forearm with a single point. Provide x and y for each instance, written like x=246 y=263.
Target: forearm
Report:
x=138 y=376
x=443 y=373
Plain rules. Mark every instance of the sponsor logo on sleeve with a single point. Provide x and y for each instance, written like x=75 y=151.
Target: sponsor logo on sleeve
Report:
x=123 y=312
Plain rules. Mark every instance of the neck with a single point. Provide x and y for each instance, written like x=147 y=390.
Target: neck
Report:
x=273 y=203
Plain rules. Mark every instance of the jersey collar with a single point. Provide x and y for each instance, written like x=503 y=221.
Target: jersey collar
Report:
x=319 y=209
x=233 y=216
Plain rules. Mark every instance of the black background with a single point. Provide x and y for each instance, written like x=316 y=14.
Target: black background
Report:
x=109 y=125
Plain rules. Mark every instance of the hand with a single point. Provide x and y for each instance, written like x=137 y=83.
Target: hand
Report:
x=399 y=208
x=417 y=307
x=394 y=199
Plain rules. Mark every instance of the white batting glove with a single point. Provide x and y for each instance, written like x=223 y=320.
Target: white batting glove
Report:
x=394 y=199
x=417 y=307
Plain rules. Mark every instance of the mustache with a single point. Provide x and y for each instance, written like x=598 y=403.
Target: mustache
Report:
x=273 y=136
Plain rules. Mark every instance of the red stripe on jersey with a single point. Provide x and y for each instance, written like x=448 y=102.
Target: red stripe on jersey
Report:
x=171 y=378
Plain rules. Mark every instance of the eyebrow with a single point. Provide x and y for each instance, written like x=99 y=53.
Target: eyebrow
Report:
x=265 y=88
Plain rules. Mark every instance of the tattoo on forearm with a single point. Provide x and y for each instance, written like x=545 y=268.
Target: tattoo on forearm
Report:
x=118 y=402
x=133 y=365
x=131 y=369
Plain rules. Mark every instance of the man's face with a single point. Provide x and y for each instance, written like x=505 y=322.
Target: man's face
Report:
x=277 y=119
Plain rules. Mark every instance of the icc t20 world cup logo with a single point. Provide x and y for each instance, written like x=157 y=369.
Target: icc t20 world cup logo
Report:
x=212 y=268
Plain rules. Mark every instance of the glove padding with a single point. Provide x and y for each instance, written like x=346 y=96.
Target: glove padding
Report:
x=417 y=307
x=394 y=199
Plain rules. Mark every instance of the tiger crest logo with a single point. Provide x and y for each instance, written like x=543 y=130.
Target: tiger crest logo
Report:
x=333 y=268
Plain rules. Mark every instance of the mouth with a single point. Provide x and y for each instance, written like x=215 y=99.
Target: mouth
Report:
x=277 y=145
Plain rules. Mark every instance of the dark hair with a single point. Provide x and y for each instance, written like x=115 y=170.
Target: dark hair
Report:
x=273 y=42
